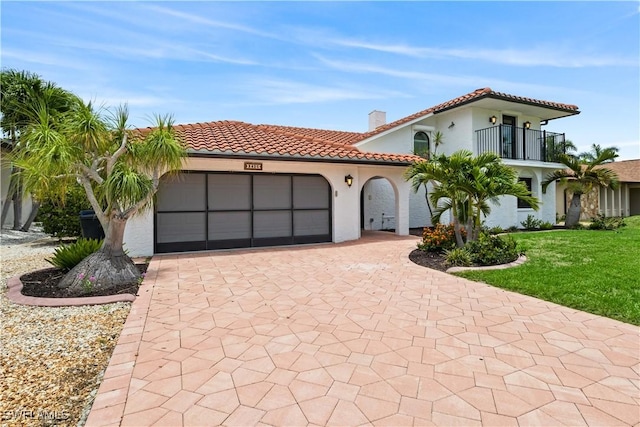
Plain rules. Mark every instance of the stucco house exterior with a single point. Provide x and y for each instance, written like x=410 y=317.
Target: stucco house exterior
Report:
x=5 y=179
x=623 y=201
x=246 y=185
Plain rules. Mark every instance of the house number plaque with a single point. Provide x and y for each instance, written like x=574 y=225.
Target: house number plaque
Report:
x=252 y=166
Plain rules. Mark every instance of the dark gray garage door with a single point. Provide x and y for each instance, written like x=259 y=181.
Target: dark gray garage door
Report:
x=200 y=211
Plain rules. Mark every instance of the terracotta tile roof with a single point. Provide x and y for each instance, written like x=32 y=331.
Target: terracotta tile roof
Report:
x=244 y=139
x=627 y=170
x=339 y=137
x=477 y=94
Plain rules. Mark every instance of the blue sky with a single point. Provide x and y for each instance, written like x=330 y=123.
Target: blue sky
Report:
x=328 y=64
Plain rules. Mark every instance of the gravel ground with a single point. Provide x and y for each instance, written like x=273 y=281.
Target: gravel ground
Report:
x=51 y=359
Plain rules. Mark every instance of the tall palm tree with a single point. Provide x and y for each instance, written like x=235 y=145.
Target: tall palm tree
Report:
x=466 y=185
x=23 y=93
x=16 y=87
x=581 y=177
x=596 y=151
x=553 y=149
x=438 y=140
x=119 y=170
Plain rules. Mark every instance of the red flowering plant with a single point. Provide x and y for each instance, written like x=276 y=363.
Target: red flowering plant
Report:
x=439 y=238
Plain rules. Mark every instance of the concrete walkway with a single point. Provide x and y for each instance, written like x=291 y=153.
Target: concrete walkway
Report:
x=354 y=333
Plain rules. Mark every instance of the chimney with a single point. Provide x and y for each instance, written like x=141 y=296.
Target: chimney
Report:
x=377 y=119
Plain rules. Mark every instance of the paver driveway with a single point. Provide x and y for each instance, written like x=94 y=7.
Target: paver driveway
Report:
x=354 y=333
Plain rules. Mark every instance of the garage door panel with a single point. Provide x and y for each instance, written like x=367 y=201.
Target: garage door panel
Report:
x=184 y=192
x=311 y=223
x=271 y=224
x=229 y=192
x=310 y=192
x=229 y=225
x=180 y=227
x=271 y=192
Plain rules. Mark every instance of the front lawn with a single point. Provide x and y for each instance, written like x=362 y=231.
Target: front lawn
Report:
x=593 y=271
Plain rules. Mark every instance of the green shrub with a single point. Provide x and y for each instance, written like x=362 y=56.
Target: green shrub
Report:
x=458 y=257
x=601 y=222
x=63 y=219
x=496 y=230
x=438 y=239
x=68 y=256
x=546 y=226
x=512 y=229
x=492 y=250
x=531 y=223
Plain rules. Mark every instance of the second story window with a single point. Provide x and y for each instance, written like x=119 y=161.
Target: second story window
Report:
x=421 y=144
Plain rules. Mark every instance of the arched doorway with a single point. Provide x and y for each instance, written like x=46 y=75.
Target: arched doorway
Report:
x=378 y=205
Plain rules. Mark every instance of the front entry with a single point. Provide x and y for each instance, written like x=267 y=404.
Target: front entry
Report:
x=210 y=210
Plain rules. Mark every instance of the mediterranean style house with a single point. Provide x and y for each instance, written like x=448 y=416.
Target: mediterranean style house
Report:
x=246 y=185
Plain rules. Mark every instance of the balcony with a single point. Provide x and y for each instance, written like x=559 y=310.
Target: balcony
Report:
x=511 y=142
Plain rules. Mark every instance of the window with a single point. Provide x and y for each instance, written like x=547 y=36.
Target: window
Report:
x=421 y=145
x=521 y=203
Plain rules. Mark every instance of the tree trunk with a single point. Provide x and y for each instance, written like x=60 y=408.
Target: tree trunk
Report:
x=457 y=232
x=105 y=269
x=32 y=215
x=426 y=196
x=573 y=214
x=17 y=205
x=8 y=198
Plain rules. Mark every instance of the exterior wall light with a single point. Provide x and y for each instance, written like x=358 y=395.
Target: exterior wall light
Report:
x=527 y=125
x=493 y=120
x=349 y=180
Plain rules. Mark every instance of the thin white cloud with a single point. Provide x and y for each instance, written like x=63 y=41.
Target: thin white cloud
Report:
x=356 y=67
x=195 y=19
x=466 y=81
x=542 y=56
x=39 y=58
x=276 y=92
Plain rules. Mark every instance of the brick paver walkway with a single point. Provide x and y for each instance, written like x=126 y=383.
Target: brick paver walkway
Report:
x=354 y=333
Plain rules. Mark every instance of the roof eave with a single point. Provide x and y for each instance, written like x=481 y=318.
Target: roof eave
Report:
x=390 y=130
x=279 y=157
x=493 y=95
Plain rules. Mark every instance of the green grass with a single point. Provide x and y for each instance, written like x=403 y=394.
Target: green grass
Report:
x=589 y=270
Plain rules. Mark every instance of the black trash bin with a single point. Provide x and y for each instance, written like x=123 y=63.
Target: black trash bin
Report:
x=91 y=228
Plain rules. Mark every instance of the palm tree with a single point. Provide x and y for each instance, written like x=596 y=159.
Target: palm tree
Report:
x=438 y=140
x=553 y=149
x=22 y=94
x=466 y=185
x=580 y=178
x=596 y=151
x=119 y=170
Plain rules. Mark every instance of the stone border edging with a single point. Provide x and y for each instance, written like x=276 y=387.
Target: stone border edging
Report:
x=14 y=294
x=521 y=260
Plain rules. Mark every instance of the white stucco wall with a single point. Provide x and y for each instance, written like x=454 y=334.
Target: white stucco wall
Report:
x=379 y=205
x=507 y=214
x=139 y=233
x=460 y=135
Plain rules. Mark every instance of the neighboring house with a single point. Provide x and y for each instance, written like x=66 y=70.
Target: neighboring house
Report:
x=624 y=201
x=255 y=185
x=5 y=179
